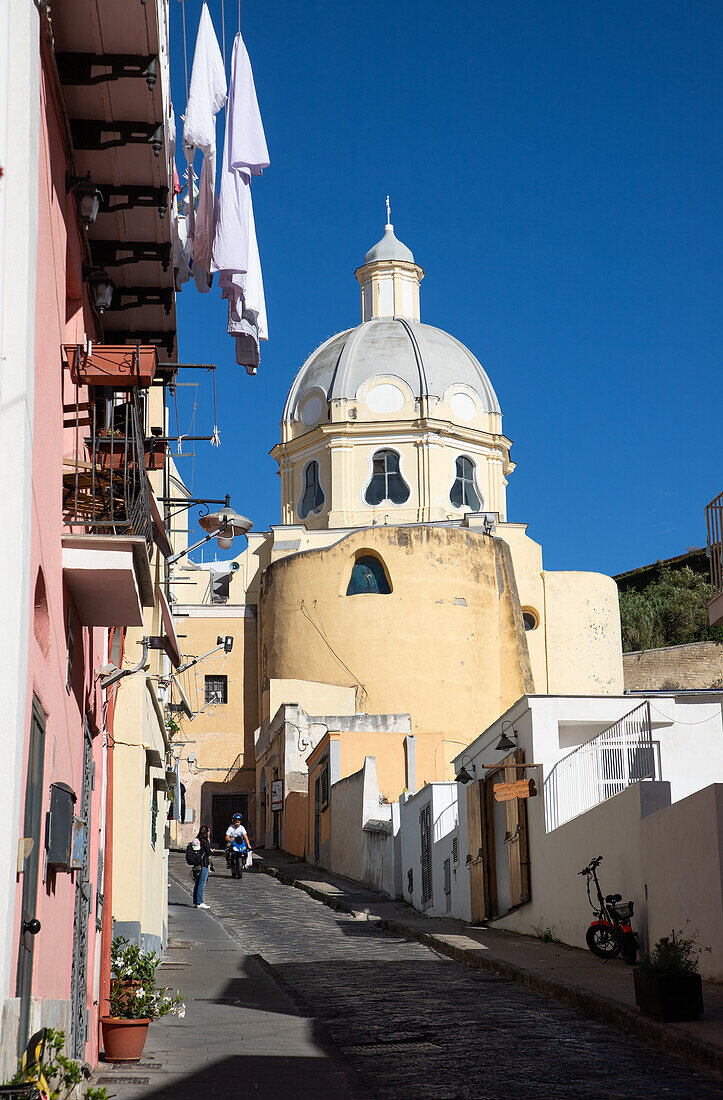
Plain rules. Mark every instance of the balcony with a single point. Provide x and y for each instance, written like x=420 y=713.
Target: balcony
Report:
x=714 y=525
x=107 y=510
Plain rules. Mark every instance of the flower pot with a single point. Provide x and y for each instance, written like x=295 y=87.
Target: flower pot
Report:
x=123 y=1040
x=669 y=996
x=115 y=453
x=115 y=365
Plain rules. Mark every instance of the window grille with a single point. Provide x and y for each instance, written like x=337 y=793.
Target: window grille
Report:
x=312 y=499
x=325 y=786
x=386 y=482
x=463 y=493
x=216 y=689
x=70 y=653
x=425 y=824
x=455 y=849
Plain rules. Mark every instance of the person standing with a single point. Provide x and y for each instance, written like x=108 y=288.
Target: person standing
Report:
x=203 y=866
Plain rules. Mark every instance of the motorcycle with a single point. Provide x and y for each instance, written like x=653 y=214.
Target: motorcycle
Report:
x=610 y=933
x=236 y=854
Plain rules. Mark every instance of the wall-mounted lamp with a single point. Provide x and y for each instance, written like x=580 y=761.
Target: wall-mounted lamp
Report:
x=223 y=525
x=87 y=196
x=505 y=744
x=110 y=674
x=226 y=644
x=102 y=288
x=466 y=772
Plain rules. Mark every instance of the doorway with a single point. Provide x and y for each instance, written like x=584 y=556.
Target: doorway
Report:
x=31 y=832
x=223 y=807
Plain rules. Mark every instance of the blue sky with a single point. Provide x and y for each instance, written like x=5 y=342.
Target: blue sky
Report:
x=556 y=168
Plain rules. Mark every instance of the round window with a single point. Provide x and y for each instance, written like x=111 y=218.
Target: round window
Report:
x=311 y=410
x=530 y=619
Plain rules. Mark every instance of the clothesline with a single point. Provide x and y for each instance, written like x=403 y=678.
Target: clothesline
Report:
x=223 y=35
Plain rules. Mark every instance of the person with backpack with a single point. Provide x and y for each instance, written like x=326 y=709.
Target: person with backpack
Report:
x=198 y=856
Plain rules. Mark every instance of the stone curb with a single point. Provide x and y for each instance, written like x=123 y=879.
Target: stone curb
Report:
x=665 y=1039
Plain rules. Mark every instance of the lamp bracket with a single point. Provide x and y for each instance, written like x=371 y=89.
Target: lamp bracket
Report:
x=130 y=196
x=119 y=253
x=77 y=68
x=97 y=134
x=141 y=296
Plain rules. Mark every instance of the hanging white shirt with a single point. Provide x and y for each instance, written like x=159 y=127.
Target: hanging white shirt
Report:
x=206 y=97
x=235 y=248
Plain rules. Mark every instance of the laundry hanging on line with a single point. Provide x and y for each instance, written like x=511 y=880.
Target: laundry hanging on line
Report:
x=235 y=248
x=206 y=97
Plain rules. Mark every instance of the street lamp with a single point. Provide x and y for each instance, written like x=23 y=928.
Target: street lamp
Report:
x=223 y=525
x=87 y=197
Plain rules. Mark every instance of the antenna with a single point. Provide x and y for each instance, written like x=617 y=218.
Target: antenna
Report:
x=389 y=212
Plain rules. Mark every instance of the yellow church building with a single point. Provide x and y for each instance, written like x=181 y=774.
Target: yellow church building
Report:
x=395 y=595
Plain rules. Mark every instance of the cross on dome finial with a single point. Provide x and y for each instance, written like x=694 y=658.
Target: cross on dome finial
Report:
x=389 y=212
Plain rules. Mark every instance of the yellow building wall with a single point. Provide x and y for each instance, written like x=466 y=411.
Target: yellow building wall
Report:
x=221 y=738
x=446 y=646
x=316 y=698
x=431 y=759
x=584 y=647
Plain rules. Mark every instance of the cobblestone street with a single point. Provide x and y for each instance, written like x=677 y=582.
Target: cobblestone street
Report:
x=409 y=1022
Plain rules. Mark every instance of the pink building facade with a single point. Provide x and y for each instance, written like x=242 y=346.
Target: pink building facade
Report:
x=68 y=600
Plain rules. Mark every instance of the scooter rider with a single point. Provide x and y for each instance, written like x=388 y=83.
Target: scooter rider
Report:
x=236 y=832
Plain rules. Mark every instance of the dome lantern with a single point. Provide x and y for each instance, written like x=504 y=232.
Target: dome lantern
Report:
x=389 y=278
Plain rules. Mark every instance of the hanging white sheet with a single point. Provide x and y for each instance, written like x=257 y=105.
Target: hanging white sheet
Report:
x=235 y=248
x=206 y=97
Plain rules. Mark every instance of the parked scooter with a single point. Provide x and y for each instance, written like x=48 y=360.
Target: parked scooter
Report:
x=236 y=854
x=610 y=934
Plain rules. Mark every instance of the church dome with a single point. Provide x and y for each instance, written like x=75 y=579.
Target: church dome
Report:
x=427 y=359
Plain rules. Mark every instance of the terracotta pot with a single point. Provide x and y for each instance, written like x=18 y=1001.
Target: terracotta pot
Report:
x=123 y=1040
x=155 y=450
x=115 y=365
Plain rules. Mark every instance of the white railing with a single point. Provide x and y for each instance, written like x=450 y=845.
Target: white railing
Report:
x=600 y=768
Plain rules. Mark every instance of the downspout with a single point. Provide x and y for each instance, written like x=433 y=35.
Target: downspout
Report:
x=106 y=934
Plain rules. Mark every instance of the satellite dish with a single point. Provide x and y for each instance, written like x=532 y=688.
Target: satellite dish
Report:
x=183 y=698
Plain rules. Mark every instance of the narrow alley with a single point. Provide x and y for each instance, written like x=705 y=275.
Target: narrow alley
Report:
x=288 y=998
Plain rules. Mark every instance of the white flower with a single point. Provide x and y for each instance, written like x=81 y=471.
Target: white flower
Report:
x=139 y=993
x=181 y=1010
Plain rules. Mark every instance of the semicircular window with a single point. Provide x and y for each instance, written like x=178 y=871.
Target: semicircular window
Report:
x=312 y=499
x=368 y=575
x=386 y=481
x=463 y=493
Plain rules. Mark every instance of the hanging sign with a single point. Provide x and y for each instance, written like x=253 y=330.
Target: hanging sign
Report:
x=277 y=794
x=522 y=788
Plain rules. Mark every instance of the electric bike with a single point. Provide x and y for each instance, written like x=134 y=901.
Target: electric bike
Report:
x=610 y=933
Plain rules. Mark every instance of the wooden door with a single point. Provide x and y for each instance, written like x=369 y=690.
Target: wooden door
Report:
x=516 y=840
x=481 y=859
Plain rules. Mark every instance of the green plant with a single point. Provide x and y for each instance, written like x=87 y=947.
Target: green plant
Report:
x=62 y=1075
x=133 y=991
x=545 y=932
x=172 y=726
x=674 y=954
x=671 y=610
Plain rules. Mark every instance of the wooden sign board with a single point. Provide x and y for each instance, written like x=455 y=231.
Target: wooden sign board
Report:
x=522 y=788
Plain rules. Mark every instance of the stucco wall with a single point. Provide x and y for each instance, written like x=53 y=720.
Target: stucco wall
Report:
x=364 y=834
x=443 y=798
x=696 y=665
x=583 y=639
x=447 y=645
x=682 y=854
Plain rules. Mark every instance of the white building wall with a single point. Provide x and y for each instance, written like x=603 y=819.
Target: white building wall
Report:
x=443 y=798
x=19 y=137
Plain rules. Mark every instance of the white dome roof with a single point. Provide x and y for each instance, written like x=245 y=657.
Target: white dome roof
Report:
x=428 y=359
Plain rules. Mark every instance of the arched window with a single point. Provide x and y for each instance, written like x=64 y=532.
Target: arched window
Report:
x=463 y=493
x=386 y=482
x=312 y=499
x=368 y=575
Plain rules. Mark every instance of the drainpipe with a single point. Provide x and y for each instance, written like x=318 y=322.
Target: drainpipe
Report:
x=106 y=933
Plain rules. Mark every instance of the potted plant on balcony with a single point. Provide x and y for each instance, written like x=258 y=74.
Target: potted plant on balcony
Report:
x=668 y=985
x=135 y=1001
x=155 y=449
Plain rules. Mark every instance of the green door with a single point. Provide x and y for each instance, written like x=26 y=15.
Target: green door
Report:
x=31 y=830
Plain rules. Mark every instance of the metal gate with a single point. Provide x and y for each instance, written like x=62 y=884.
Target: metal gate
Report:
x=425 y=823
x=83 y=892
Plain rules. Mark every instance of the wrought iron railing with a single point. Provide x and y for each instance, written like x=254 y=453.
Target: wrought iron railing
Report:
x=601 y=767
x=714 y=525
x=105 y=485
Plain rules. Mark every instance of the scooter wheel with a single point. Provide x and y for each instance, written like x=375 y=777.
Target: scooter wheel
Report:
x=604 y=941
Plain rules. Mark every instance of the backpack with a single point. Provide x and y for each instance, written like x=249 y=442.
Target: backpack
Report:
x=194 y=855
